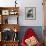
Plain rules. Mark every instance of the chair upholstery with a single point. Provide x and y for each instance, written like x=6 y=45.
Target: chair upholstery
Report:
x=29 y=33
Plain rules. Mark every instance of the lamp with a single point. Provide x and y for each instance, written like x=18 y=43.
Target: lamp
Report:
x=15 y=30
x=15 y=3
x=15 y=37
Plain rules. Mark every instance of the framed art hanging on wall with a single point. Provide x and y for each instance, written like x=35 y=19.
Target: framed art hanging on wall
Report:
x=30 y=13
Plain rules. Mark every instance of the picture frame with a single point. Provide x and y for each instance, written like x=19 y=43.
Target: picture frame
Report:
x=13 y=12
x=5 y=12
x=13 y=20
x=30 y=13
x=10 y=19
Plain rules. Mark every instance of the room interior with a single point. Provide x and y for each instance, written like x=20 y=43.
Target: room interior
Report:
x=17 y=16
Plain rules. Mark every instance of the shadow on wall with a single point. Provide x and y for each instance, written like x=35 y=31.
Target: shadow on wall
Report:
x=37 y=29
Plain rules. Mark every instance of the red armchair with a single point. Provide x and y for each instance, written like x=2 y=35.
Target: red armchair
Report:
x=30 y=34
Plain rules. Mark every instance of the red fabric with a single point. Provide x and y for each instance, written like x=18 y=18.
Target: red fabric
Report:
x=29 y=33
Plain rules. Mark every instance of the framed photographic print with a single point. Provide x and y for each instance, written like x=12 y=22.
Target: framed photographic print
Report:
x=5 y=12
x=30 y=13
x=13 y=20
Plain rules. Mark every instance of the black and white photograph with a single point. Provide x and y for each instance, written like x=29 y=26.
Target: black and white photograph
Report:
x=30 y=13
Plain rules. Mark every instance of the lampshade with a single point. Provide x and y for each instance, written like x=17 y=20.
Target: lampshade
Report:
x=15 y=30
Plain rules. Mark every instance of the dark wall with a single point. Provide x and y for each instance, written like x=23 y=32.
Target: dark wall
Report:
x=37 y=29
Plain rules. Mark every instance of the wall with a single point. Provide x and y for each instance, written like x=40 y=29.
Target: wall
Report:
x=39 y=13
x=27 y=3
